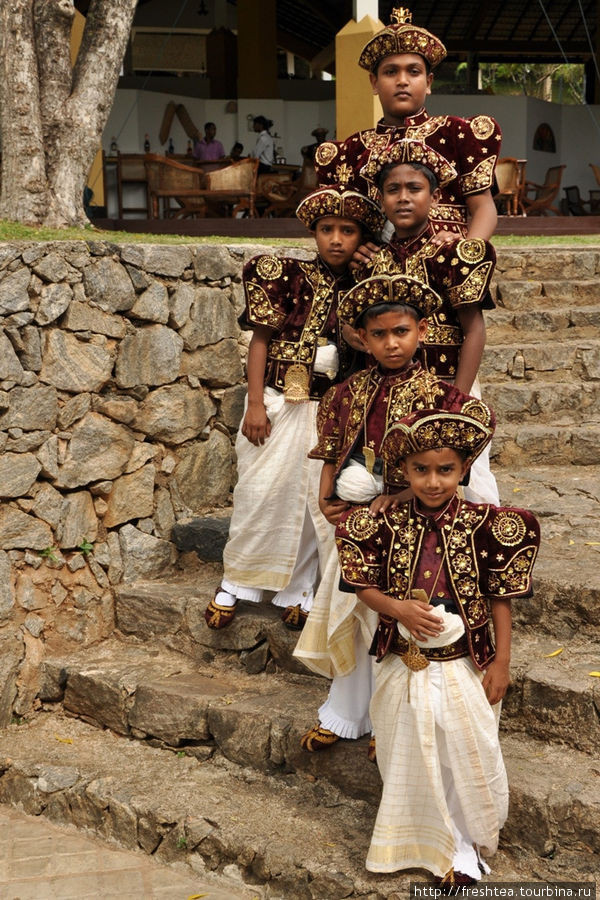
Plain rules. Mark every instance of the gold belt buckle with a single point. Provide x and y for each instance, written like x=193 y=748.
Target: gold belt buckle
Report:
x=296 y=384
x=414 y=659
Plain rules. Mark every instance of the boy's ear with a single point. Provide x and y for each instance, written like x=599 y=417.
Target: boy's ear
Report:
x=429 y=83
x=436 y=196
x=361 y=332
x=373 y=80
x=422 y=329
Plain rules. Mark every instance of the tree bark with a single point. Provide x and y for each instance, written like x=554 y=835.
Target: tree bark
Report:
x=52 y=114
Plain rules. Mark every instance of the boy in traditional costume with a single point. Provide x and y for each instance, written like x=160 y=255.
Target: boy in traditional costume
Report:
x=400 y=60
x=296 y=353
x=439 y=571
x=409 y=176
x=390 y=314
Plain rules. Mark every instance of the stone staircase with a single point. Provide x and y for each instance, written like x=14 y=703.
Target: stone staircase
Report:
x=185 y=742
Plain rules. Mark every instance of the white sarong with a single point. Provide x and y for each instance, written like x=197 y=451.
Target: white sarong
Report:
x=276 y=493
x=444 y=781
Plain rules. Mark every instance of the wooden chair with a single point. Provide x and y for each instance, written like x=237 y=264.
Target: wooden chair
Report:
x=232 y=189
x=128 y=170
x=170 y=180
x=574 y=205
x=507 y=179
x=544 y=194
x=284 y=197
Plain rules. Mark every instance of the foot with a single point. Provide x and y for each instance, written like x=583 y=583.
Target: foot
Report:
x=453 y=880
x=294 y=617
x=318 y=738
x=218 y=616
x=372 y=750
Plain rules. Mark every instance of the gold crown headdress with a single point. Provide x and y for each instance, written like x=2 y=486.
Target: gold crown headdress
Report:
x=407 y=151
x=395 y=289
x=467 y=431
x=342 y=202
x=401 y=36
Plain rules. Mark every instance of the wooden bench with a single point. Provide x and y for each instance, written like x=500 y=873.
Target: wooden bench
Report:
x=223 y=192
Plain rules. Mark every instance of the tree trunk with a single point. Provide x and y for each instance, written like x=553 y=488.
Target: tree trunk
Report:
x=52 y=114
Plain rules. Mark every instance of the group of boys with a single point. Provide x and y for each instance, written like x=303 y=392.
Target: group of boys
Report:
x=364 y=413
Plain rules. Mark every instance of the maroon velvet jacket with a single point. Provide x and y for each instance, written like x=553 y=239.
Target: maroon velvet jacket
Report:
x=459 y=272
x=298 y=299
x=489 y=553
x=382 y=398
x=471 y=145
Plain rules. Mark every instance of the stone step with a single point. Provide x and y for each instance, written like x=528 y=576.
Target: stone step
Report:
x=544 y=292
x=560 y=443
x=288 y=835
x=530 y=402
x=162 y=697
x=547 y=262
x=525 y=358
x=554 y=698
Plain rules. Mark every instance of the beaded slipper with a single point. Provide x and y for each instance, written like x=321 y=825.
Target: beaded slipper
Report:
x=452 y=881
x=372 y=750
x=318 y=738
x=218 y=616
x=294 y=617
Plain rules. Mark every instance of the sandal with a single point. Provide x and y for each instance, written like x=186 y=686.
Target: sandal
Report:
x=453 y=881
x=318 y=738
x=294 y=617
x=372 y=750
x=218 y=616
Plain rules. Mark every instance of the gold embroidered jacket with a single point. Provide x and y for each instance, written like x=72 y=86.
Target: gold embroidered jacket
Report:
x=471 y=145
x=380 y=398
x=489 y=553
x=459 y=272
x=298 y=299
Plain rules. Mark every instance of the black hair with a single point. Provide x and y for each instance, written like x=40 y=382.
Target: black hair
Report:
x=206 y=124
x=418 y=167
x=378 y=309
x=262 y=120
x=237 y=146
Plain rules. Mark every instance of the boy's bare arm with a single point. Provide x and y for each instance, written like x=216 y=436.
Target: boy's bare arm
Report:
x=483 y=215
x=352 y=337
x=497 y=676
x=415 y=615
x=256 y=426
x=331 y=509
x=472 y=324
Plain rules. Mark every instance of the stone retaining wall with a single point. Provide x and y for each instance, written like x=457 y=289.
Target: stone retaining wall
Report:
x=121 y=388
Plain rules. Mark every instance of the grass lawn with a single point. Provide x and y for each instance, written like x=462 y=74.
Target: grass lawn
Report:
x=12 y=231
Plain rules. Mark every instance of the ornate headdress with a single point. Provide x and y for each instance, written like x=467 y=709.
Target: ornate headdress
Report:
x=408 y=151
x=401 y=36
x=342 y=202
x=400 y=289
x=468 y=431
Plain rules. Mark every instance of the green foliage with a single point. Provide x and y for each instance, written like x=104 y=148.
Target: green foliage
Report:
x=182 y=843
x=546 y=81
x=49 y=553
x=85 y=547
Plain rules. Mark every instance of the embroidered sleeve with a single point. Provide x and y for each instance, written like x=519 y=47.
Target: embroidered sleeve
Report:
x=267 y=290
x=513 y=542
x=465 y=268
x=479 y=148
x=358 y=549
x=328 y=427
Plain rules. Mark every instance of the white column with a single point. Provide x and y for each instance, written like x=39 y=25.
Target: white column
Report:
x=362 y=8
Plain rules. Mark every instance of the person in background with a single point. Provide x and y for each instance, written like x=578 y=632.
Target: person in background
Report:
x=235 y=154
x=264 y=149
x=308 y=151
x=209 y=148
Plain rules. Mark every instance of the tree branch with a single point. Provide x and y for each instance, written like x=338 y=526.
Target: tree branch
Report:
x=53 y=20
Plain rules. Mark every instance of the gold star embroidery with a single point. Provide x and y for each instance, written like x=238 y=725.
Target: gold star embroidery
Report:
x=470 y=159
x=484 y=554
x=442 y=140
x=500 y=557
x=427 y=574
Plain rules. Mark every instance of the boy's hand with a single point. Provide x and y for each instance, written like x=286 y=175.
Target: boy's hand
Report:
x=419 y=618
x=496 y=681
x=363 y=255
x=256 y=426
x=352 y=337
x=443 y=237
x=333 y=509
x=384 y=502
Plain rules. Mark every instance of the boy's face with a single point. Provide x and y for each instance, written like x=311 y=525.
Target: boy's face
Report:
x=392 y=338
x=434 y=476
x=401 y=82
x=337 y=240
x=406 y=199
